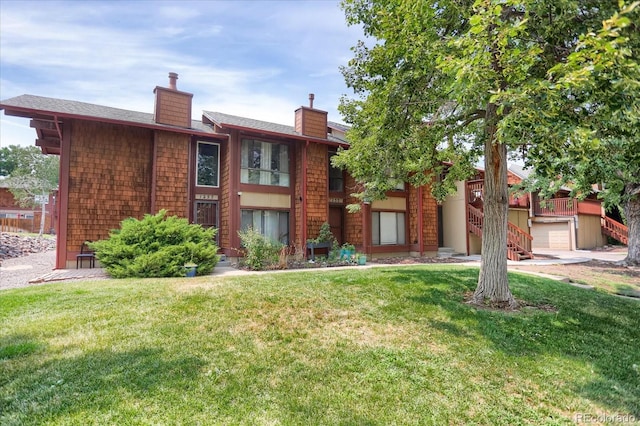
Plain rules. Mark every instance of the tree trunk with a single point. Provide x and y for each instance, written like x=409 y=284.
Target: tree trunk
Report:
x=493 y=283
x=632 y=214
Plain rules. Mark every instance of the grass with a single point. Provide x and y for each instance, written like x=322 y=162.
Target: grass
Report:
x=374 y=346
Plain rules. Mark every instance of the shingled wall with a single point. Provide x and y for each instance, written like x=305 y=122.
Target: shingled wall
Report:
x=225 y=208
x=172 y=173
x=353 y=221
x=429 y=218
x=317 y=188
x=109 y=179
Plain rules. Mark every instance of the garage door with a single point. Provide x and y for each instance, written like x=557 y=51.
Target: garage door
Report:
x=553 y=235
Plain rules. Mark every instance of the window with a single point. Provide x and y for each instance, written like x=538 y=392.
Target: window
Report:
x=387 y=228
x=270 y=223
x=264 y=163
x=336 y=176
x=208 y=164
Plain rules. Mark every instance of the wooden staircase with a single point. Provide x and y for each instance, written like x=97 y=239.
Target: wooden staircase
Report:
x=615 y=230
x=518 y=241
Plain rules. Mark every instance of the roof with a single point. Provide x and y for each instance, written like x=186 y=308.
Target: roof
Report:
x=67 y=108
x=520 y=171
x=234 y=121
x=338 y=126
x=38 y=106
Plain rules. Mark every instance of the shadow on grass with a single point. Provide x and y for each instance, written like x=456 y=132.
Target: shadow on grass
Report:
x=592 y=327
x=92 y=381
x=18 y=345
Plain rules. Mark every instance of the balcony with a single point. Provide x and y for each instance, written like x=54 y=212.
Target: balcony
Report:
x=567 y=207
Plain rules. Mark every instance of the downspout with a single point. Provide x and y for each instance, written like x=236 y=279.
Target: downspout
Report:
x=420 y=223
x=303 y=221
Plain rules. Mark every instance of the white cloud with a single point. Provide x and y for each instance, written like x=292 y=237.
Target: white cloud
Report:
x=258 y=59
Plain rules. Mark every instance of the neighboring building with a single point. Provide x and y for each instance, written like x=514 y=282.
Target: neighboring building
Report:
x=564 y=223
x=223 y=171
x=561 y=223
x=15 y=218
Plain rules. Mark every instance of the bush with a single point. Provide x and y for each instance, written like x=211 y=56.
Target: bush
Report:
x=157 y=246
x=260 y=252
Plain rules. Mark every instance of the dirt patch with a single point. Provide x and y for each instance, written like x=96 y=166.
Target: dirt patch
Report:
x=609 y=276
x=504 y=306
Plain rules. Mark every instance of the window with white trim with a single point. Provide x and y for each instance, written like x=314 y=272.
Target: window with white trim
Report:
x=273 y=224
x=208 y=167
x=264 y=163
x=388 y=228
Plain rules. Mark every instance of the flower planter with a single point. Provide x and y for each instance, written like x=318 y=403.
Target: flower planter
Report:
x=314 y=246
x=190 y=270
x=346 y=254
x=362 y=259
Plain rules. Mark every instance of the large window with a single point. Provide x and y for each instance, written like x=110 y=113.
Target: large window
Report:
x=264 y=163
x=208 y=164
x=270 y=223
x=336 y=176
x=387 y=228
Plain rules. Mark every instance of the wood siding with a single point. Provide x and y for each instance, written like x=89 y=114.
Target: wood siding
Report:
x=109 y=180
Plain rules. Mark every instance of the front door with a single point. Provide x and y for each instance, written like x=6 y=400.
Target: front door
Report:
x=336 y=215
x=206 y=214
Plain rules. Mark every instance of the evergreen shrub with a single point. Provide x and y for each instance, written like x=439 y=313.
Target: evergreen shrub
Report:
x=157 y=246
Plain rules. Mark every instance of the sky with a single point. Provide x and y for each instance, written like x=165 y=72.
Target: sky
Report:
x=258 y=59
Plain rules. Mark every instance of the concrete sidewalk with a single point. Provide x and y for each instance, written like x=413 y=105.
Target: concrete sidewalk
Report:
x=224 y=269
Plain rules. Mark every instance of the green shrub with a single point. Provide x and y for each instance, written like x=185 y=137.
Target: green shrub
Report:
x=157 y=246
x=260 y=251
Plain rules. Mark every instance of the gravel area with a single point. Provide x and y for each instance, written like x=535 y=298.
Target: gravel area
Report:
x=17 y=272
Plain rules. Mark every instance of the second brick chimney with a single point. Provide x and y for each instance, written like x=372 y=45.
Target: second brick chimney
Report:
x=172 y=106
x=310 y=121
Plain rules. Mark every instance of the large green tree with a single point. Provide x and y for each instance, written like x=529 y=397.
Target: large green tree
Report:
x=439 y=81
x=590 y=130
x=32 y=176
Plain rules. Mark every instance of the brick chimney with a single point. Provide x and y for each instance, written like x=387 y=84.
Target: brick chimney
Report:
x=310 y=121
x=173 y=107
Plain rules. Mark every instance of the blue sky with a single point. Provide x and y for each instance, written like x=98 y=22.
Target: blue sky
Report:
x=258 y=59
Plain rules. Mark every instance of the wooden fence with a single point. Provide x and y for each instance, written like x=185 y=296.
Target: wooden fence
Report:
x=18 y=225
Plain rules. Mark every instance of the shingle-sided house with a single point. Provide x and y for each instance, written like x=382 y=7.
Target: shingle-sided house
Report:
x=222 y=171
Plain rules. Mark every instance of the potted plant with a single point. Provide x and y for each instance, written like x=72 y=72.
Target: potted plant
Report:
x=325 y=239
x=361 y=258
x=190 y=269
x=347 y=252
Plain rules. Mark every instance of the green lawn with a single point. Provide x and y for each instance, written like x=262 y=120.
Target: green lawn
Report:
x=359 y=346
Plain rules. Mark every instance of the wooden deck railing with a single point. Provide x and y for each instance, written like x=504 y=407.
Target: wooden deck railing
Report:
x=556 y=207
x=518 y=243
x=615 y=230
x=518 y=240
x=475 y=218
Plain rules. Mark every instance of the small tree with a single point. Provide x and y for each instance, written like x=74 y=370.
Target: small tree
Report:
x=32 y=176
x=157 y=246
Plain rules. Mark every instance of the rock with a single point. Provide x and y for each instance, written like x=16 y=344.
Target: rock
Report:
x=16 y=245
